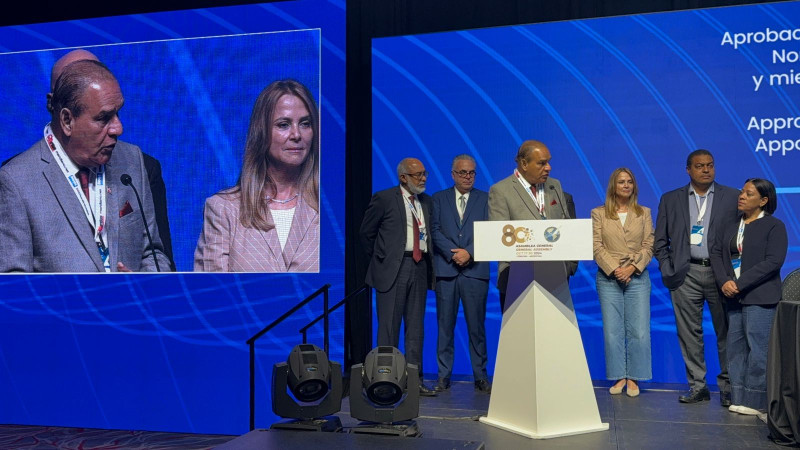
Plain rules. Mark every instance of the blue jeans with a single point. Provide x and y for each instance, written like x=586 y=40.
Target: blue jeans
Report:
x=749 y=327
x=626 y=326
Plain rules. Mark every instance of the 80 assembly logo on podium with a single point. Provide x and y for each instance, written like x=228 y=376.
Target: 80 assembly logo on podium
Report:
x=533 y=240
x=526 y=244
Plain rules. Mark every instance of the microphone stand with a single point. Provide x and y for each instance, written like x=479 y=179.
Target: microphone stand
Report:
x=127 y=181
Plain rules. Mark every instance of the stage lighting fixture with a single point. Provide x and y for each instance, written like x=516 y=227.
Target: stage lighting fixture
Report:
x=385 y=390
x=316 y=384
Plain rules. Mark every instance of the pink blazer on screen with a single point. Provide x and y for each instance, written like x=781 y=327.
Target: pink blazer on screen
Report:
x=227 y=246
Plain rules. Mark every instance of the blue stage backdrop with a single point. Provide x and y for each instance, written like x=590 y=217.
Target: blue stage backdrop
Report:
x=167 y=351
x=638 y=91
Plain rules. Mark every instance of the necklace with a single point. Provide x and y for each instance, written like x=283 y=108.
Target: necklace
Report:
x=282 y=202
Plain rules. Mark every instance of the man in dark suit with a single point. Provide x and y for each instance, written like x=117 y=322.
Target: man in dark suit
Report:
x=458 y=276
x=153 y=168
x=688 y=220
x=396 y=235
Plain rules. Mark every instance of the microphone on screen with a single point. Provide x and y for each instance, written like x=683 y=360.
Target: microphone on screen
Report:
x=561 y=201
x=127 y=181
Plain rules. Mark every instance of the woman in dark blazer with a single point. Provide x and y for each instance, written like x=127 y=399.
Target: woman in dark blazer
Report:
x=747 y=260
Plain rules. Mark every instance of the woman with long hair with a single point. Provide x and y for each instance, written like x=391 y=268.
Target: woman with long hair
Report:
x=623 y=247
x=269 y=221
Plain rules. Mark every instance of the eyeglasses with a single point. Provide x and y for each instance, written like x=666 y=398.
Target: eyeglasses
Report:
x=418 y=175
x=465 y=173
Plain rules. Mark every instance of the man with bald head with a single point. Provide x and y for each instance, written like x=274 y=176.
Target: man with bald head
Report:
x=530 y=193
x=58 y=68
x=64 y=206
x=395 y=233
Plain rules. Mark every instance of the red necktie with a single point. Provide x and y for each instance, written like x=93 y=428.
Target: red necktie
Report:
x=83 y=177
x=417 y=253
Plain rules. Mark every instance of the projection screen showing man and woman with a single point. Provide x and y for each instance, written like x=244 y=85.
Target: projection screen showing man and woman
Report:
x=82 y=200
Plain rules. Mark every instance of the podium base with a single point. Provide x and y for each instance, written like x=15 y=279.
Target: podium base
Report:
x=331 y=424
x=406 y=428
x=545 y=435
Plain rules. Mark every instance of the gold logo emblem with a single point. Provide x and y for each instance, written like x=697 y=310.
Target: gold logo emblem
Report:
x=513 y=235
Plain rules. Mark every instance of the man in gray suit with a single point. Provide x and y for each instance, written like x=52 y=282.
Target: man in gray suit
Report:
x=64 y=206
x=688 y=219
x=527 y=194
x=151 y=164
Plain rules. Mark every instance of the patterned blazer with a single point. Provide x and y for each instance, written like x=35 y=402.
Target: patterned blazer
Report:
x=616 y=245
x=227 y=246
x=44 y=229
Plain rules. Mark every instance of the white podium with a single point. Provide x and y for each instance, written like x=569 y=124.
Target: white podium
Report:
x=542 y=388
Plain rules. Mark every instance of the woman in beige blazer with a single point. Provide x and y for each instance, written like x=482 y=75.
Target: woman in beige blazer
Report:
x=269 y=221
x=623 y=247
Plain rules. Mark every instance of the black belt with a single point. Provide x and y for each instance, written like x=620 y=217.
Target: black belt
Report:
x=701 y=262
x=411 y=254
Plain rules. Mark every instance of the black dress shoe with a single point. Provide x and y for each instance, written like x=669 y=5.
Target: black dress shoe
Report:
x=725 y=399
x=442 y=384
x=695 y=395
x=425 y=391
x=483 y=385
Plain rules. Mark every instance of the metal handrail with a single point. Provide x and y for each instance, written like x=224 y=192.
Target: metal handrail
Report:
x=252 y=340
x=304 y=330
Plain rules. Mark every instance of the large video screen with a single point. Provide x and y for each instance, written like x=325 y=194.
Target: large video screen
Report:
x=167 y=351
x=188 y=104
x=639 y=91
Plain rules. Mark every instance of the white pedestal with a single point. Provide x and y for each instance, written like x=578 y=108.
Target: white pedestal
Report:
x=542 y=388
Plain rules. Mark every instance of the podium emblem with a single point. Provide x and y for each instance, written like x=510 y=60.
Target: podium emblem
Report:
x=552 y=234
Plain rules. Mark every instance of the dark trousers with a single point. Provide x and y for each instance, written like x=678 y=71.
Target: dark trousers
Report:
x=472 y=292
x=687 y=302
x=405 y=301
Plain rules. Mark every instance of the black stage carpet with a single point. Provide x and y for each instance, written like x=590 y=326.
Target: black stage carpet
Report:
x=654 y=420
x=38 y=437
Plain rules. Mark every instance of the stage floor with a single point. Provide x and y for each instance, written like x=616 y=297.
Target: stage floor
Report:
x=654 y=420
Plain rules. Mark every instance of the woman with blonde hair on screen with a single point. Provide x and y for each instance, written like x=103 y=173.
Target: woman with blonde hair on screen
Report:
x=269 y=221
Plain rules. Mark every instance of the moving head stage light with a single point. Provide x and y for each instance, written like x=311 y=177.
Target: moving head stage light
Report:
x=385 y=389
x=316 y=384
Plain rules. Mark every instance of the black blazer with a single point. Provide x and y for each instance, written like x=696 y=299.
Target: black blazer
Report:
x=763 y=252
x=159 y=190
x=383 y=234
x=671 y=246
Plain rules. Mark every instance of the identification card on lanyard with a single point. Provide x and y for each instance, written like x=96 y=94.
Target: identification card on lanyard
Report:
x=737 y=262
x=415 y=216
x=95 y=211
x=538 y=199
x=696 y=238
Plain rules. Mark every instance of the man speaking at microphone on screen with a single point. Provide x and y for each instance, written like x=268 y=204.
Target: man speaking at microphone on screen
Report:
x=65 y=207
x=530 y=193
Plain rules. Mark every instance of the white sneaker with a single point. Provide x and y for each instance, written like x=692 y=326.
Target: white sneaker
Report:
x=734 y=408
x=748 y=411
x=762 y=417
